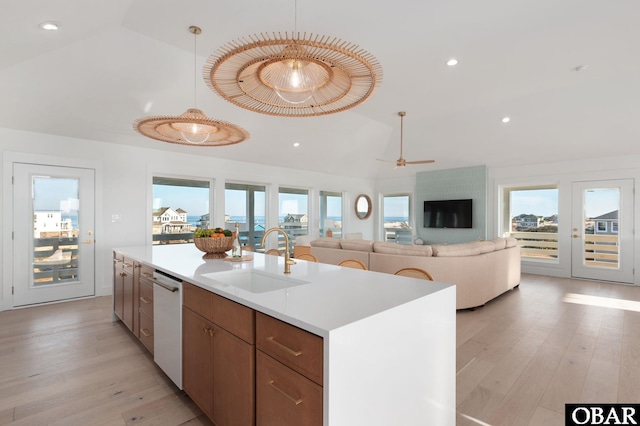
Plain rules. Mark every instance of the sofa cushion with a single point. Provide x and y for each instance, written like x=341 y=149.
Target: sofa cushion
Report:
x=407 y=250
x=486 y=246
x=500 y=243
x=358 y=245
x=452 y=250
x=326 y=242
x=511 y=242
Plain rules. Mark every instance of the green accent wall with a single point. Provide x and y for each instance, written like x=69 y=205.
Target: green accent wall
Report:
x=453 y=184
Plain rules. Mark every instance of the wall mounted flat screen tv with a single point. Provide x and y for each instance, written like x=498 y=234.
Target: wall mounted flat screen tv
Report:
x=448 y=214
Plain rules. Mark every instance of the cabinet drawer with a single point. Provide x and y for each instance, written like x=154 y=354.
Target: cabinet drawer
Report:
x=233 y=317
x=146 y=271
x=146 y=298
x=197 y=299
x=284 y=397
x=146 y=331
x=294 y=347
x=127 y=265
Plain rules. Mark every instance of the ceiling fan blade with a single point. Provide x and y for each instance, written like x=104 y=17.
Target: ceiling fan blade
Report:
x=386 y=161
x=421 y=162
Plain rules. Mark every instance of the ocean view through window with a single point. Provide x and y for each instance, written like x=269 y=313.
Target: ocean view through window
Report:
x=245 y=204
x=397 y=219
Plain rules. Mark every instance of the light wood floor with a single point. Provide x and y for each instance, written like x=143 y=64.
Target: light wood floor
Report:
x=520 y=358
x=68 y=364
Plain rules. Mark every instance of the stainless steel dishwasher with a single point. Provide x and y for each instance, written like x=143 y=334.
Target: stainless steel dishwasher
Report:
x=167 y=324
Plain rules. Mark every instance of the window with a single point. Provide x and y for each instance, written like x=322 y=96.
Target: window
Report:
x=602 y=226
x=397 y=220
x=614 y=227
x=179 y=206
x=531 y=216
x=331 y=214
x=293 y=208
x=245 y=205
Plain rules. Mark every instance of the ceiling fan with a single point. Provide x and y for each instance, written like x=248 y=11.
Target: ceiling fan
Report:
x=401 y=162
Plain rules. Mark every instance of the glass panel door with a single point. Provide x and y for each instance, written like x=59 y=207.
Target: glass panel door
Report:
x=293 y=214
x=246 y=205
x=602 y=230
x=54 y=241
x=330 y=214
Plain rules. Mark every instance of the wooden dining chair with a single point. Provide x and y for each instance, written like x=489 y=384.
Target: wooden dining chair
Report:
x=273 y=252
x=414 y=273
x=353 y=263
x=248 y=248
x=307 y=256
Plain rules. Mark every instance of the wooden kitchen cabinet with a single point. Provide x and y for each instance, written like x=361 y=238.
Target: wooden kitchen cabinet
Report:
x=127 y=293
x=285 y=397
x=118 y=286
x=123 y=293
x=218 y=356
x=132 y=300
x=145 y=309
x=289 y=374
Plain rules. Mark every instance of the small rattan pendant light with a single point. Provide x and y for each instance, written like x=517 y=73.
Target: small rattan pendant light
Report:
x=193 y=127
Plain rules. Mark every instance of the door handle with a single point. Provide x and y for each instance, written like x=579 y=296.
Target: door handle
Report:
x=576 y=236
x=89 y=241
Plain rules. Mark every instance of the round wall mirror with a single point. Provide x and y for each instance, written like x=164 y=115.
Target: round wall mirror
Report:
x=363 y=206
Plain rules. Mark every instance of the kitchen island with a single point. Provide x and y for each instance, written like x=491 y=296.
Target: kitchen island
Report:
x=388 y=342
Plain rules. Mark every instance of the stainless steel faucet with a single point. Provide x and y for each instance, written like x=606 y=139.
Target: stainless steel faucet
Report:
x=287 y=258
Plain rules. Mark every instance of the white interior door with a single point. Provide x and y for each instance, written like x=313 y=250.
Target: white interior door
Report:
x=602 y=230
x=53 y=241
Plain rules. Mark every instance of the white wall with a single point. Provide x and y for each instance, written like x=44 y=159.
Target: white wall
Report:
x=123 y=186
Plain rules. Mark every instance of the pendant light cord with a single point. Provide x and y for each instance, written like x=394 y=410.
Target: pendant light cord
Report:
x=195 y=45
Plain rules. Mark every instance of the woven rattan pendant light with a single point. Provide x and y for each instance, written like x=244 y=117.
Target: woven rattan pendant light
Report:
x=193 y=127
x=293 y=75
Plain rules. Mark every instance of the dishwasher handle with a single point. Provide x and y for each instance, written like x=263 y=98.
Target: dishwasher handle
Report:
x=163 y=285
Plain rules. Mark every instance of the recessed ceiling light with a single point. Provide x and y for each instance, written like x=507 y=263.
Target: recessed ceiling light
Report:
x=580 y=68
x=296 y=144
x=506 y=119
x=50 y=26
x=452 y=62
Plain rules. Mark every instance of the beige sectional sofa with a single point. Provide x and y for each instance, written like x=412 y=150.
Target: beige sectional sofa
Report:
x=481 y=270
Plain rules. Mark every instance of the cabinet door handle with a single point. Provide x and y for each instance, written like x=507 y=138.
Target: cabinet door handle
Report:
x=286 y=395
x=208 y=330
x=145 y=332
x=283 y=347
x=144 y=299
x=147 y=274
x=128 y=265
x=123 y=274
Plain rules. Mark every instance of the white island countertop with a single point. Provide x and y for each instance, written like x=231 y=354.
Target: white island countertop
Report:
x=331 y=297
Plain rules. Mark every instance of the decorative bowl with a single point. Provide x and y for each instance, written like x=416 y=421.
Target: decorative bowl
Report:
x=214 y=247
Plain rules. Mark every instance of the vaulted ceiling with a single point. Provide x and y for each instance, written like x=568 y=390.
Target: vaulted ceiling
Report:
x=567 y=73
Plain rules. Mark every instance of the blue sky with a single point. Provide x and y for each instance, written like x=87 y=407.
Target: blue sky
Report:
x=195 y=201
x=538 y=202
x=544 y=202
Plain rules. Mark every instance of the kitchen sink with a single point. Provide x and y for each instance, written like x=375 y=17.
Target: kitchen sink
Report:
x=255 y=281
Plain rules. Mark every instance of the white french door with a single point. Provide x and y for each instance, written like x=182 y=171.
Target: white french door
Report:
x=602 y=240
x=53 y=241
